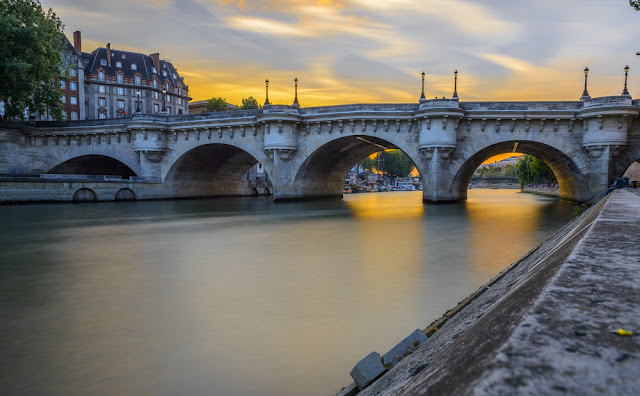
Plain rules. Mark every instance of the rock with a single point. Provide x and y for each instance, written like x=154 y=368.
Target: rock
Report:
x=367 y=370
x=404 y=348
x=349 y=390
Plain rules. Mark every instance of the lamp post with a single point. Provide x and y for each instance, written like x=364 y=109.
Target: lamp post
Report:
x=138 y=101
x=585 y=94
x=295 y=100
x=164 y=99
x=625 y=91
x=266 y=101
x=455 y=85
x=422 y=98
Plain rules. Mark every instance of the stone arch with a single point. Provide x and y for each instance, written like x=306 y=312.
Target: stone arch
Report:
x=85 y=195
x=573 y=184
x=125 y=194
x=323 y=171
x=113 y=151
x=215 y=169
x=93 y=165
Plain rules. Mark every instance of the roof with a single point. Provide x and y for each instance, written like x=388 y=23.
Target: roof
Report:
x=144 y=65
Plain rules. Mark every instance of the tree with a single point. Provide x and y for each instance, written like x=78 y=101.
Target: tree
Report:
x=510 y=171
x=250 y=103
x=635 y=4
x=532 y=169
x=216 y=104
x=31 y=46
x=396 y=163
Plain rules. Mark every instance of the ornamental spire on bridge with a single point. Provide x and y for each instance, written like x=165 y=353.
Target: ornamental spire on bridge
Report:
x=422 y=98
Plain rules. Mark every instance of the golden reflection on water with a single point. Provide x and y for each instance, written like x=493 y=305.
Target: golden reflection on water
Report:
x=390 y=205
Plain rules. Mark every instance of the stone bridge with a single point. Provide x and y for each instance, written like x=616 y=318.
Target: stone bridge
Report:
x=307 y=152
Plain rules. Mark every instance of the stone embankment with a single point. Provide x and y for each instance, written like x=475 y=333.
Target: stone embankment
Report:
x=554 y=322
x=555 y=191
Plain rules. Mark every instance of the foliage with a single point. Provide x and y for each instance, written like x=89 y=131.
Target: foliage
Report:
x=250 y=103
x=496 y=172
x=31 y=47
x=392 y=162
x=577 y=211
x=510 y=171
x=635 y=4
x=532 y=169
x=216 y=104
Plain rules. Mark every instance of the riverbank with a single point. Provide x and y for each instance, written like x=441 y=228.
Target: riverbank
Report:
x=555 y=191
x=546 y=323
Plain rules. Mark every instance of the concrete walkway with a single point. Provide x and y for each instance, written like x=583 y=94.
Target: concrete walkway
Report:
x=548 y=326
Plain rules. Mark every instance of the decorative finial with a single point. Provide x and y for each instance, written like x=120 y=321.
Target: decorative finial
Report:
x=422 y=98
x=266 y=83
x=625 y=91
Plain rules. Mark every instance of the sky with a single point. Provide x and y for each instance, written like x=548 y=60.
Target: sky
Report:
x=373 y=51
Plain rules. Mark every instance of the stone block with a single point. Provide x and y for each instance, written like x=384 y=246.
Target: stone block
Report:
x=367 y=370
x=350 y=390
x=403 y=349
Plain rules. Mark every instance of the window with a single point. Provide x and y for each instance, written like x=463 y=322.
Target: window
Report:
x=134 y=66
x=168 y=98
x=138 y=80
x=103 y=62
x=64 y=114
x=155 y=84
x=72 y=72
x=123 y=56
x=102 y=89
x=73 y=85
x=102 y=102
x=63 y=99
x=74 y=115
x=153 y=69
x=179 y=111
x=100 y=76
x=156 y=107
x=155 y=95
x=120 y=104
x=120 y=114
x=169 y=110
x=86 y=60
x=119 y=64
x=120 y=91
x=174 y=76
x=164 y=73
x=63 y=84
x=120 y=78
x=73 y=100
x=102 y=116
x=179 y=90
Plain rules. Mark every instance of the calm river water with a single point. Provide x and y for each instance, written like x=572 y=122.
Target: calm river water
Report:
x=240 y=296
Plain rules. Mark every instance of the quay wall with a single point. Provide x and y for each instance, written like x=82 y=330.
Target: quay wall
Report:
x=466 y=346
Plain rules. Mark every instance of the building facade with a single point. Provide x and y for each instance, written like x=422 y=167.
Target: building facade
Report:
x=120 y=83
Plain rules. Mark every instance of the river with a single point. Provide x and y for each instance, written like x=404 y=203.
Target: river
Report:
x=240 y=296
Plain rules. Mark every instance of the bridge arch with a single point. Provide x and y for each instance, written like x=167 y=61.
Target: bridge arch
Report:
x=572 y=182
x=56 y=158
x=323 y=170
x=93 y=165
x=213 y=169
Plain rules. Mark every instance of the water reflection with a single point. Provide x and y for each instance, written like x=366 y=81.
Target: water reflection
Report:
x=239 y=296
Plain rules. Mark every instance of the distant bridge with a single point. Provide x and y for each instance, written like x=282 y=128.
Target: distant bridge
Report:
x=308 y=151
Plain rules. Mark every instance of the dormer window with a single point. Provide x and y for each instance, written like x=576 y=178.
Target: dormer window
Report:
x=153 y=69
x=123 y=56
x=174 y=76
x=164 y=73
x=134 y=66
x=103 y=62
x=119 y=64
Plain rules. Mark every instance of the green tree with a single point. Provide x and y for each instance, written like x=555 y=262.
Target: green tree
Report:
x=216 y=104
x=250 y=103
x=31 y=46
x=510 y=171
x=532 y=169
x=635 y=4
x=396 y=163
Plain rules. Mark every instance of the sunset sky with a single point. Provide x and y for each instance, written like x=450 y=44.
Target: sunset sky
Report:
x=371 y=51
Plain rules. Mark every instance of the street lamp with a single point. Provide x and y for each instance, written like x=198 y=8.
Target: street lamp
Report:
x=585 y=94
x=138 y=101
x=422 y=98
x=625 y=91
x=295 y=100
x=455 y=85
x=266 y=83
x=164 y=98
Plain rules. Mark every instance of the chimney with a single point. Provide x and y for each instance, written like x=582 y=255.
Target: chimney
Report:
x=156 y=61
x=77 y=41
x=109 y=54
